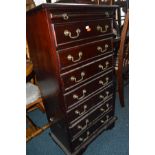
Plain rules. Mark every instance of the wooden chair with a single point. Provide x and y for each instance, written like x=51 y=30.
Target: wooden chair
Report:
x=122 y=61
x=29 y=4
x=33 y=100
x=30 y=76
x=120 y=13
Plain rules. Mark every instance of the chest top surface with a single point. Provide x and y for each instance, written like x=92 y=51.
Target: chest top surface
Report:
x=73 y=7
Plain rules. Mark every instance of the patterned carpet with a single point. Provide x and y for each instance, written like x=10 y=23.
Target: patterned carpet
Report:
x=111 y=142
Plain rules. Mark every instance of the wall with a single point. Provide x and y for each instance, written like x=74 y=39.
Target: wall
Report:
x=38 y=2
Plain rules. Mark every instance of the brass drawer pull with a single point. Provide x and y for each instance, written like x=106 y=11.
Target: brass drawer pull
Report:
x=99 y=28
x=81 y=113
x=65 y=16
x=104 y=0
x=104 y=97
x=102 y=109
x=107 y=119
x=84 y=139
x=105 y=110
x=83 y=127
x=104 y=83
x=75 y=96
x=107 y=14
x=103 y=68
x=73 y=78
x=102 y=121
x=99 y=48
x=70 y=57
x=68 y=33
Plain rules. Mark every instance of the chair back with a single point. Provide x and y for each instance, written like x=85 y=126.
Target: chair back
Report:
x=122 y=61
x=123 y=52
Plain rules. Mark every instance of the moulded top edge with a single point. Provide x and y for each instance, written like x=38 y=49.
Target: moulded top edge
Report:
x=73 y=6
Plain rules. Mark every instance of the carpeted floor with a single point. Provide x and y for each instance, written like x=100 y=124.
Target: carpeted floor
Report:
x=111 y=142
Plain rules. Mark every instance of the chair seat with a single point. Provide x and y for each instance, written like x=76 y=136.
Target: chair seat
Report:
x=32 y=93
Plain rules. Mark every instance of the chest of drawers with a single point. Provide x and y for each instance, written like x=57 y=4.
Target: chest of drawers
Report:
x=71 y=47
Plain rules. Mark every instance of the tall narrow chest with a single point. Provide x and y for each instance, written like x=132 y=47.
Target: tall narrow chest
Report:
x=71 y=47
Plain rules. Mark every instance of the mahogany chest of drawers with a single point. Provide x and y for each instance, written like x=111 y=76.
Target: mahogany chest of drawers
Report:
x=71 y=47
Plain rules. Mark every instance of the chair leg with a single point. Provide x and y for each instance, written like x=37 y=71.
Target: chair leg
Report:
x=31 y=123
x=41 y=106
x=120 y=89
x=33 y=130
x=37 y=132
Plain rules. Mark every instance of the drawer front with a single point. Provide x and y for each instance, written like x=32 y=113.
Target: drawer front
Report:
x=69 y=32
x=87 y=90
x=92 y=130
x=59 y=17
x=89 y=104
x=76 y=55
x=81 y=126
x=81 y=74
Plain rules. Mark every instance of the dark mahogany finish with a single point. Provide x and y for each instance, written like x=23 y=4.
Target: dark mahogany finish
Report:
x=85 y=136
x=85 y=91
x=86 y=72
x=91 y=118
x=100 y=48
x=71 y=47
x=89 y=104
x=86 y=29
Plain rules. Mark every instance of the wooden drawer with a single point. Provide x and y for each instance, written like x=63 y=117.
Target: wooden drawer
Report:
x=78 y=54
x=84 y=137
x=88 y=105
x=79 y=75
x=69 y=32
x=59 y=17
x=81 y=126
x=87 y=90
